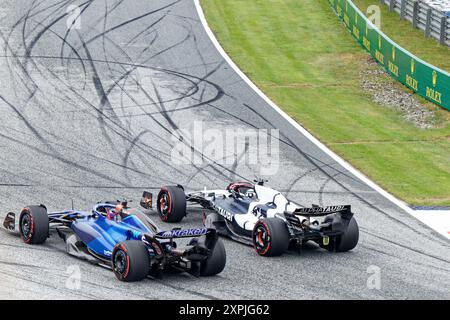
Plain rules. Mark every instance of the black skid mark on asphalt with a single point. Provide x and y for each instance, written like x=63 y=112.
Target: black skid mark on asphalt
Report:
x=408 y=247
x=15 y=185
x=27 y=278
x=161 y=109
x=103 y=39
x=137 y=138
x=134 y=66
x=35 y=39
x=109 y=90
x=36 y=87
x=8 y=47
x=23 y=246
x=237 y=159
x=64 y=160
x=195 y=86
x=12 y=70
x=208 y=174
x=104 y=101
x=93 y=25
x=324 y=184
x=43 y=140
x=285 y=190
x=78 y=58
x=24 y=120
x=296 y=180
x=148 y=29
x=165 y=113
x=64 y=41
x=15 y=264
x=195 y=293
x=202 y=59
x=115 y=127
x=168 y=71
x=110 y=187
x=391 y=255
x=99 y=159
x=130 y=21
x=28 y=48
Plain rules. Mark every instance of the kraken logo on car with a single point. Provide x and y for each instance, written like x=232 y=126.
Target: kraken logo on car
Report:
x=184 y=233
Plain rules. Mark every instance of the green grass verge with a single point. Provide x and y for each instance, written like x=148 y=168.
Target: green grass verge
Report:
x=302 y=57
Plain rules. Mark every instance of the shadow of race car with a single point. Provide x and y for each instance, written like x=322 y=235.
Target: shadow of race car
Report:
x=264 y=218
x=124 y=239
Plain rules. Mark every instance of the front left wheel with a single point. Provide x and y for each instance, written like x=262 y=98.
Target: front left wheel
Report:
x=130 y=261
x=34 y=225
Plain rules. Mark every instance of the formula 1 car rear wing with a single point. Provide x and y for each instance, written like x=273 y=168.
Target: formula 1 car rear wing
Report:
x=202 y=248
x=317 y=211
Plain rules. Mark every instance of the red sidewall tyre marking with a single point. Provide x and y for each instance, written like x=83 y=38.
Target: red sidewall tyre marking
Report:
x=27 y=212
x=165 y=217
x=266 y=228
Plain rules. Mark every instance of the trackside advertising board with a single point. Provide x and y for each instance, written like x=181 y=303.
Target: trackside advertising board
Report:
x=428 y=81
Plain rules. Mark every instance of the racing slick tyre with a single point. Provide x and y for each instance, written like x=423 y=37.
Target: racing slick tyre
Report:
x=270 y=237
x=130 y=261
x=34 y=225
x=345 y=242
x=349 y=239
x=171 y=204
x=216 y=262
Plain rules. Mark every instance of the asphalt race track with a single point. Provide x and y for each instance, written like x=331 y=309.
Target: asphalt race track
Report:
x=88 y=114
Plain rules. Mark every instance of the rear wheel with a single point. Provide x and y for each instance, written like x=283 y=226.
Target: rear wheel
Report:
x=345 y=242
x=34 y=225
x=350 y=238
x=171 y=204
x=130 y=261
x=216 y=262
x=270 y=237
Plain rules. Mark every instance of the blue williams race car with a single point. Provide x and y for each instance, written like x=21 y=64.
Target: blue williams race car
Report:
x=124 y=239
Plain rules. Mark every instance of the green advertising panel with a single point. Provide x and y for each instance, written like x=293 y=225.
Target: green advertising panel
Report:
x=428 y=81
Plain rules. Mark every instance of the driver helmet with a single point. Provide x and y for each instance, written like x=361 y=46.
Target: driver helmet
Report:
x=117 y=211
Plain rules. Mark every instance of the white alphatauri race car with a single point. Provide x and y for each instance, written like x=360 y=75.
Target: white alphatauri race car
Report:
x=263 y=217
